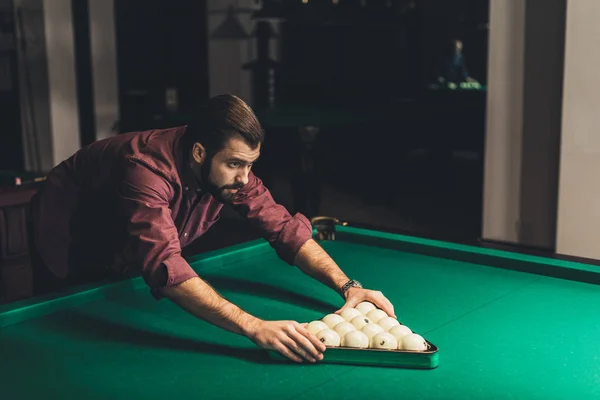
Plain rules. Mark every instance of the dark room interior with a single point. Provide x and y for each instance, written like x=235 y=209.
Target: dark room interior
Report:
x=402 y=192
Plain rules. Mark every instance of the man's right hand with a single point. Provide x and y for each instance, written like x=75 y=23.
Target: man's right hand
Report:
x=289 y=338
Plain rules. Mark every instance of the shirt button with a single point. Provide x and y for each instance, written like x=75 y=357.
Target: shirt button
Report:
x=185 y=234
x=197 y=190
x=187 y=188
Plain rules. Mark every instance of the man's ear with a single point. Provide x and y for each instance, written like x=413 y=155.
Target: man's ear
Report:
x=198 y=153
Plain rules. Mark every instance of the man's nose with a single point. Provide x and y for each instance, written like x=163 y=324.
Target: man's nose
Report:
x=243 y=176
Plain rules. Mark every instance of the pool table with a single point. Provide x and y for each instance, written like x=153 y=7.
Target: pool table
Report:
x=507 y=326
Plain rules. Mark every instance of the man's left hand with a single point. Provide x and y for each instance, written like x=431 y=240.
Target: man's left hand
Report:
x=357 y=295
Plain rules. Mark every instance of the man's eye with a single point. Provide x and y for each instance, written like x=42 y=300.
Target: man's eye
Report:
x=234 y=165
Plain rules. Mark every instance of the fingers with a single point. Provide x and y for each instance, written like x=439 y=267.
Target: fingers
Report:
x=299 y=344
x=386 y=306
x=316 y=343
x=391 y=311
x=298 y=350
x=375 y=297
x=382 y=302
x=308 y=345
x=351 y=302
x=291 y=339
x=283 y=349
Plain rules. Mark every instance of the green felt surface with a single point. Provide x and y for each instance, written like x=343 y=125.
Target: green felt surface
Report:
x=502 y=334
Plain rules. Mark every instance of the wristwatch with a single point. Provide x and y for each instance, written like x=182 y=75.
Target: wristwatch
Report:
x=348 y=285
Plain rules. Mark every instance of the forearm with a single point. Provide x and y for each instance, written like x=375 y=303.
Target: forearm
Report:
x=315 y=262
x=199 y=299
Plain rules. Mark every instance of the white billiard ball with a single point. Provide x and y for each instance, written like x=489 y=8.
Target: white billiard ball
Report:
x=344 y=327
x=371 y=330
x=413 y=342
x=349 y=313
x=355 y=339
x=359 y=321
x=400 y=331
x=332 y=320
x=315 y=326
x=384 y=340
x=376 y=314
x=365 y=307
x=329 y=337
x=388 y=323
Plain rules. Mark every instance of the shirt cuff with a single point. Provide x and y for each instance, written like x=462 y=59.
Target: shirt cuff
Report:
x=292 y=237
x=178 y=271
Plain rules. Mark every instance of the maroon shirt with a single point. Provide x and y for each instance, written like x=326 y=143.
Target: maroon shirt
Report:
x=131 y=202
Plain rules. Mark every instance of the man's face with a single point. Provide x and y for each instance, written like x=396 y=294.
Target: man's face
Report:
x=227 y=171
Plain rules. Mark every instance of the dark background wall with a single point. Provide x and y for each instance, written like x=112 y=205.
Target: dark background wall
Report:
x=160 y=45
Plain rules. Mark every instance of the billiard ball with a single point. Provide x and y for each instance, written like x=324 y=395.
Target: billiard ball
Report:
x=332 y=320
x=315 y=326
x=359 y=321
x=344 y=327
x=376 y=314
x=349 y=313
x=329 y=337
x=400 y=331
x=355 y=339
x=371 y=330
x=413 y=342
x=384 y=340
x=365 y=307
x=388 y=323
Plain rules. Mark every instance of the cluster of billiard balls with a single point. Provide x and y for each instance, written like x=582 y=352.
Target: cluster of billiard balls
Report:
x=366 y=327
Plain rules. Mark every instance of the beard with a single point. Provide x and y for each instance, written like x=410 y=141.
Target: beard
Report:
x=223 y=194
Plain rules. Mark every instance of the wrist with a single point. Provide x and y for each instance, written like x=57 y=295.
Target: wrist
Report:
x=348 y=286
x=250 y=327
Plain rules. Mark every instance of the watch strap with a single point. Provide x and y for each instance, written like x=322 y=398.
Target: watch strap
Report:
x=351 y=283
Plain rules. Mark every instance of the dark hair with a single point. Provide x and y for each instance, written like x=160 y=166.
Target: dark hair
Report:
x=221 y=118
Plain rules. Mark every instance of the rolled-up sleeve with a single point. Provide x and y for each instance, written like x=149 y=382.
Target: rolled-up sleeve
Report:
x=285 y=233
x=153 y=245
